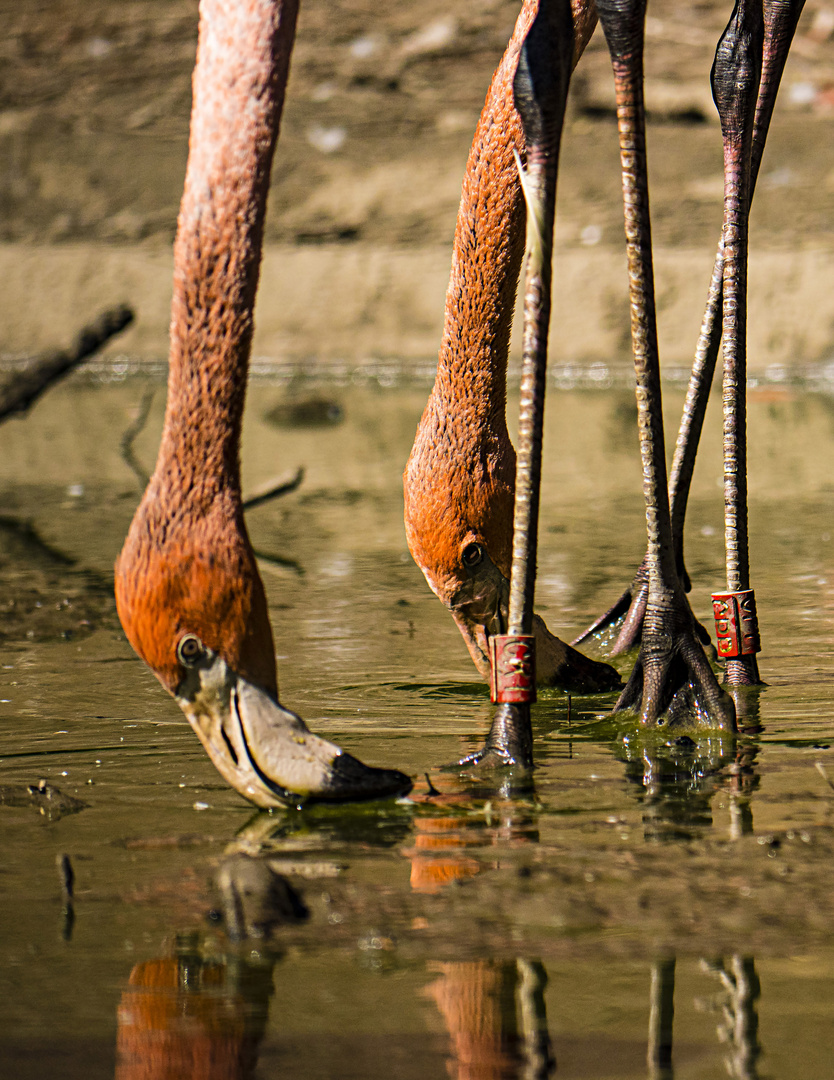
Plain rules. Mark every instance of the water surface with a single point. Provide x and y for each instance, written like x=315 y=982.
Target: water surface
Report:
x=490 y=931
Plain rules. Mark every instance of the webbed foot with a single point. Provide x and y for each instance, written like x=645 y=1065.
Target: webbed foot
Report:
x=672 y=682
x=510 y=739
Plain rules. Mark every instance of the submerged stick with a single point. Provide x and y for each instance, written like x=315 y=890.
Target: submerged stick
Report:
x=66 y=876
x=23 y=388
x=275 y=491
x=130 y=433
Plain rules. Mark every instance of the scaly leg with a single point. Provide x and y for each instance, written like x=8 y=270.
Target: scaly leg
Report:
x=781 y=18
x=540 y=89
x=735 y=81
x=672 y=679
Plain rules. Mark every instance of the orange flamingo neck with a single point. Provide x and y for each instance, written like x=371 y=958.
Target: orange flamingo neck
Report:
x=187 y=565
x=471 y=382
x=238 y=99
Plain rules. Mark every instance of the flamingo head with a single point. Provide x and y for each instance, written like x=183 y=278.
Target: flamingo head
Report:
x=459 y=530
x=192 y=604
x=193 y=579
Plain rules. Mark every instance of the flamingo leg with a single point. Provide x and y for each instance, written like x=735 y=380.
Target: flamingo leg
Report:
x=735 y=81
x=540 y=91
x=672 y=680
x=781 y=18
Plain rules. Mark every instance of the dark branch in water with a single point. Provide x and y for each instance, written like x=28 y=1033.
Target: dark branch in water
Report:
x=131 y=432
x=283 y=488
x=279 y=560
x=129 y=437
x=66 y=875
x=23 y=542
x=25 y=387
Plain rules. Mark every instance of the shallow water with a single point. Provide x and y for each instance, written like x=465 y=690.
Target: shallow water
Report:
x=486 y=932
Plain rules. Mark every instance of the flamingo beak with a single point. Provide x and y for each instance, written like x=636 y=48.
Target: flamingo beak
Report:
x=266 y=752
x=480 y=609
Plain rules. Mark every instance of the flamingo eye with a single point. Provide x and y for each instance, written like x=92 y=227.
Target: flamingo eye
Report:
x=189 y=650
x=472 y=556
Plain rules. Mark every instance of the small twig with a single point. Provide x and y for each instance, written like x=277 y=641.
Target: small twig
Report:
x=27 y=544
x=24 y=387
x=279 y=560
x=274 y=492
x=258 y=499
x=432 y=789
x=130 y=433
x=821 y=770
x=67 y=876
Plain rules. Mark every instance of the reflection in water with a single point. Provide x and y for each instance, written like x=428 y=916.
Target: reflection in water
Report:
x=476 y=817
x=495 y=1015
x=675 y=782
x=661 y=1020
x=494 y=1010
x=194 y=1016
x=200 y=1013
x=320 y=827
x=738 y=1027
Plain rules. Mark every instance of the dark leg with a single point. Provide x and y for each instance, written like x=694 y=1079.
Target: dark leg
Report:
x=672 y=678
x=661 y=1020
x=540 y=89
x=781 y=18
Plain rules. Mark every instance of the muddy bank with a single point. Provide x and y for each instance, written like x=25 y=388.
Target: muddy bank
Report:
x=94 y=109
x=360 y=303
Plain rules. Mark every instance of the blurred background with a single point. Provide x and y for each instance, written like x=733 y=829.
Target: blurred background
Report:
x=381 y=106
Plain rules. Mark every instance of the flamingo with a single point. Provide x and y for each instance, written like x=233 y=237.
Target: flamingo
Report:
x=188 y=591
x=459 y=482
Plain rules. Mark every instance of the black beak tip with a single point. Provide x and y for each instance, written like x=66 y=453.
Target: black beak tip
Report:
x=352 y=780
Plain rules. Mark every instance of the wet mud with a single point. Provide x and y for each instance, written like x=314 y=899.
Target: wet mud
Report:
x=381 y=107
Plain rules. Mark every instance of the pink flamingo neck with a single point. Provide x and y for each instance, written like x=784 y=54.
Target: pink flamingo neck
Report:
x=238 y=99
